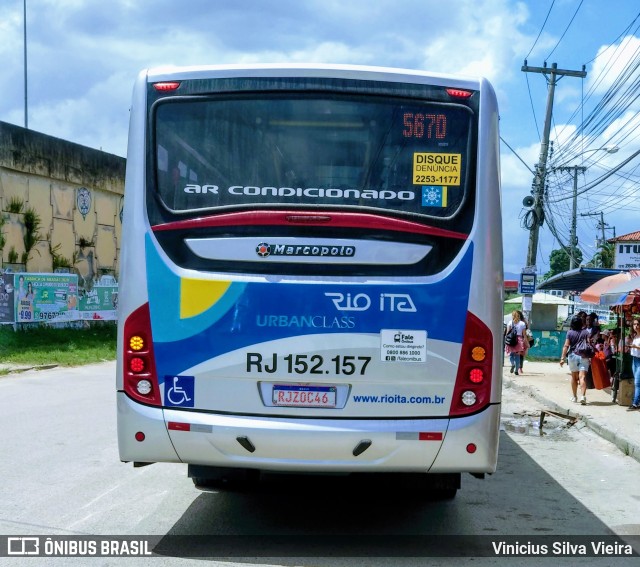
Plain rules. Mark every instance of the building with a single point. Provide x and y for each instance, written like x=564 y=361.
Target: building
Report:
x=511 y=286
x=60 y=205
x=627 y=251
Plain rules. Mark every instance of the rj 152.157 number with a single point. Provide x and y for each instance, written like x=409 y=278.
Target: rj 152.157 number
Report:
x=307 y=364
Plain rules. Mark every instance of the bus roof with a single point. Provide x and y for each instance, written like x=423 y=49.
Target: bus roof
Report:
x=388 y=74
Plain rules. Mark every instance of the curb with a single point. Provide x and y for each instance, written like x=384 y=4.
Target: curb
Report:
x=628 y=447
x=10 y=369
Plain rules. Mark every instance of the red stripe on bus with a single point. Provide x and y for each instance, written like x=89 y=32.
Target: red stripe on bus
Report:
x=178 y=426
x=315 y=218
x=430 y=436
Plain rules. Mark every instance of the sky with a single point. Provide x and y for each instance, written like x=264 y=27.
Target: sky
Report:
x=84 y=55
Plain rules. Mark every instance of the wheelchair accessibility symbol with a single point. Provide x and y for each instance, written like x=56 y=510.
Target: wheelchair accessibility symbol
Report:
x=179 y=391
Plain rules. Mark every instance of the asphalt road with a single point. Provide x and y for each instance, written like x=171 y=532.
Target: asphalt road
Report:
x=61 y=476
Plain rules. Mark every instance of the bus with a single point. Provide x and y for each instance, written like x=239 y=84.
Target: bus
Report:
x=311 y=274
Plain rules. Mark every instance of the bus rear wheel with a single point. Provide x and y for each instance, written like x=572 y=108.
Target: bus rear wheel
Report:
x=438 y=486
x=444 y=486
x=223 y=478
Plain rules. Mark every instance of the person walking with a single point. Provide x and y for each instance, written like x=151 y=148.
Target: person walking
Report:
x=516 y=350
x=634 y=350
x=527 y=340
x=593 y=326
x=578 y=365
x=583 y=318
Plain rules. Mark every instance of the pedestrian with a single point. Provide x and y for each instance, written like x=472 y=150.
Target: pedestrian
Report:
x=578 y=365
x=634 y=350
x=593 y=326
x=515 y=351
x=527 y=340
x=611 y=352
x=583 y=318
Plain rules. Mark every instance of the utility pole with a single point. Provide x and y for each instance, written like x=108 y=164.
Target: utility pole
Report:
x=26 y=109
x=573 y=239
x=602 y=226
x=553 y=75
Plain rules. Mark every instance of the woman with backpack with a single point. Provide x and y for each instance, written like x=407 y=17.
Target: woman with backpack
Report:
x=514 y=348
x=578 y=361
x=528 y=340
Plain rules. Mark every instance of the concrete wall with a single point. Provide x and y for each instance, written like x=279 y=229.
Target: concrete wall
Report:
x=75 y=191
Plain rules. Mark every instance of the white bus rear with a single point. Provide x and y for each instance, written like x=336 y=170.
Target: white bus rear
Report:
x=311 y=273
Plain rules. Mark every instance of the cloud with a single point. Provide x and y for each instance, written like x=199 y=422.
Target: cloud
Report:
x=76 y=48
x=612 y=61
x=104 y=130
x=483 y=39
x=84 y=57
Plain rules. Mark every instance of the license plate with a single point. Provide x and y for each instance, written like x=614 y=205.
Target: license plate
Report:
x=304 y=396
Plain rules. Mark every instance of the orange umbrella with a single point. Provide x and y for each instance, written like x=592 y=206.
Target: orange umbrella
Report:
x=594 y=291
x=625 y=293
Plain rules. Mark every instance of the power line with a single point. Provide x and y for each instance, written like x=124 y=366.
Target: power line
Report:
x=533 y=109
x=541 y=29
x=516 y=154
x=605 y=176
x=612 y=106
x=539 y=179
x=624 y=32
x=566 y=30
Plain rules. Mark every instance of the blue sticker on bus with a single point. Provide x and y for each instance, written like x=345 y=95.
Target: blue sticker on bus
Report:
x=434 y=196
x=179 y=391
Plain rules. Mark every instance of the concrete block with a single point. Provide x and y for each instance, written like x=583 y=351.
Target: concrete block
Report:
x=625 y=392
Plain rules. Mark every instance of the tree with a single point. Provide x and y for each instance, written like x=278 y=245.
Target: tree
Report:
x=605 y=257
x=559 y=261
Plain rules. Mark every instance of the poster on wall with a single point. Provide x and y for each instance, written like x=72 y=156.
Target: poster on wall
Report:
x=6 y=298
x=45 y=297
x=100 y=304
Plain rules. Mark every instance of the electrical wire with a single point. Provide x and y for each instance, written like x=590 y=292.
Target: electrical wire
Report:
x=618 y=98
x=625 y=31
x=603 y=177
x=605 y=120
x=516 y=154
x=533 y=108
x=542 y=28
x=565 y=31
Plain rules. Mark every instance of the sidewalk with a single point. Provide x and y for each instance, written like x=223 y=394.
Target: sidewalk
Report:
x=550 y=385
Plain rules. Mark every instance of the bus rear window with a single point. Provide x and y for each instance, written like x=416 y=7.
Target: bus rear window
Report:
x=306 y=150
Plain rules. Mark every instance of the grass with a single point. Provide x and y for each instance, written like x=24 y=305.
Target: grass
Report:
x=41 y=346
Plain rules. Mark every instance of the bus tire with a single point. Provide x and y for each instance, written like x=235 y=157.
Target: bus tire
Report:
x=443 y=486
x=437 y=486
x=446 y=493
x=223 y=478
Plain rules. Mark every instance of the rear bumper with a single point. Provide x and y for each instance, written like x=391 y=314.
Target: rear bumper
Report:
x=133 y=418
x=322 y=445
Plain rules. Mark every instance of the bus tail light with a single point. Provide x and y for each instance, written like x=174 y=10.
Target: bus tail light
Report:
x=140 y=378
x=459 y=93
x=472 y=391
x=166 y=86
